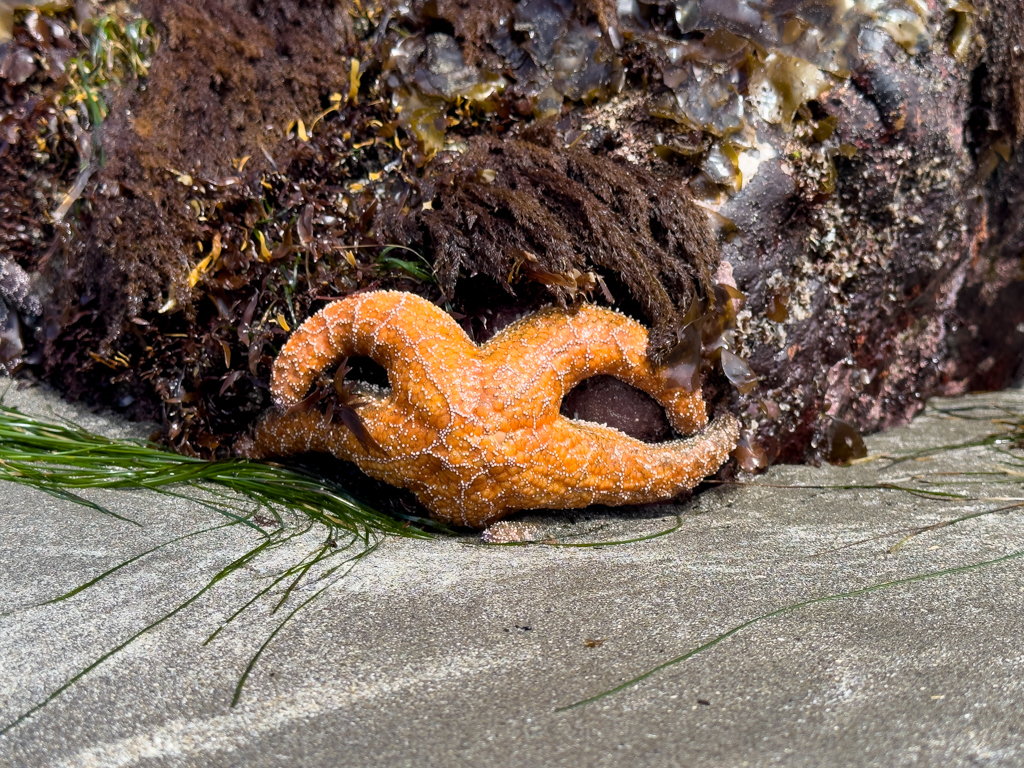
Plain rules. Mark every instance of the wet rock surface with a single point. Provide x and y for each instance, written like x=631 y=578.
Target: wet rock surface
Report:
x=859 y=163
x=445 y=651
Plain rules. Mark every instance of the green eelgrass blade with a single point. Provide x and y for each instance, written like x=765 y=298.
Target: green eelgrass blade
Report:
x=923 y=493
x=647 y=537
x=354 y=560
x=1014 y=424
x=424 y=271
x=61 y=458
x=277 y=580
x=97 y=579
x=223 y=573
x=65 y=495
x=788 y=609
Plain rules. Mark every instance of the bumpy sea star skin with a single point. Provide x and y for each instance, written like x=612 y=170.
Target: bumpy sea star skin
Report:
x=475 y=431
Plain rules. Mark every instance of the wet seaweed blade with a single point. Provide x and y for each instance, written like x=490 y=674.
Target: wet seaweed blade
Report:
x=60 y=458
x=789 y=609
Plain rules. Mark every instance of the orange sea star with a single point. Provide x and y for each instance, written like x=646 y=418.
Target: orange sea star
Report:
x=474 y=430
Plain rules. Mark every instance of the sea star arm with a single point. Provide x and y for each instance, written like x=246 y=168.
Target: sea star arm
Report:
x=559 y=350
x=394 y=436
x=398 y=330
x=291 y=433
x=575 y=464
x=624 y=468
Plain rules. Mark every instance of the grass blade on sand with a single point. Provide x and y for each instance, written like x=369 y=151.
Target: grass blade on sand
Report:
x=63 y=459
x=789 y=609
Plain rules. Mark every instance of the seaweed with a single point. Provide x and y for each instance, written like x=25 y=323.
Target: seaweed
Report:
x=538 y=151
x=853 y=593
x=530 y=208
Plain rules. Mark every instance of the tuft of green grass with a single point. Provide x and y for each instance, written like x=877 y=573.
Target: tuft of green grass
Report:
x=280 y=504
x=420 y=269
x=62 y=458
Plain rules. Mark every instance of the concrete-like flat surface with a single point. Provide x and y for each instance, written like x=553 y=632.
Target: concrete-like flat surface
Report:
x=447 y=653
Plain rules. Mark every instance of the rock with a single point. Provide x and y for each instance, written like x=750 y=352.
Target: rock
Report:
x=862 y=171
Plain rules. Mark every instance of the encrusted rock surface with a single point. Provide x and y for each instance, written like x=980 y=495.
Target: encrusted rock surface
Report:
x=861 y=165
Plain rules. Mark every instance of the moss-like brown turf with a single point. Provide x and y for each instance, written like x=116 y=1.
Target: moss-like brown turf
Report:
x=528 y=206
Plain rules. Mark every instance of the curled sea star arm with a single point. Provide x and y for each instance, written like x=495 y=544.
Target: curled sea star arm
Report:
x=398 y=330
x=294 y=432
x=566 y=348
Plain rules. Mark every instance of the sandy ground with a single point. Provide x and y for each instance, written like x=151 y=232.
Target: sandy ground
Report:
x=448 y=653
